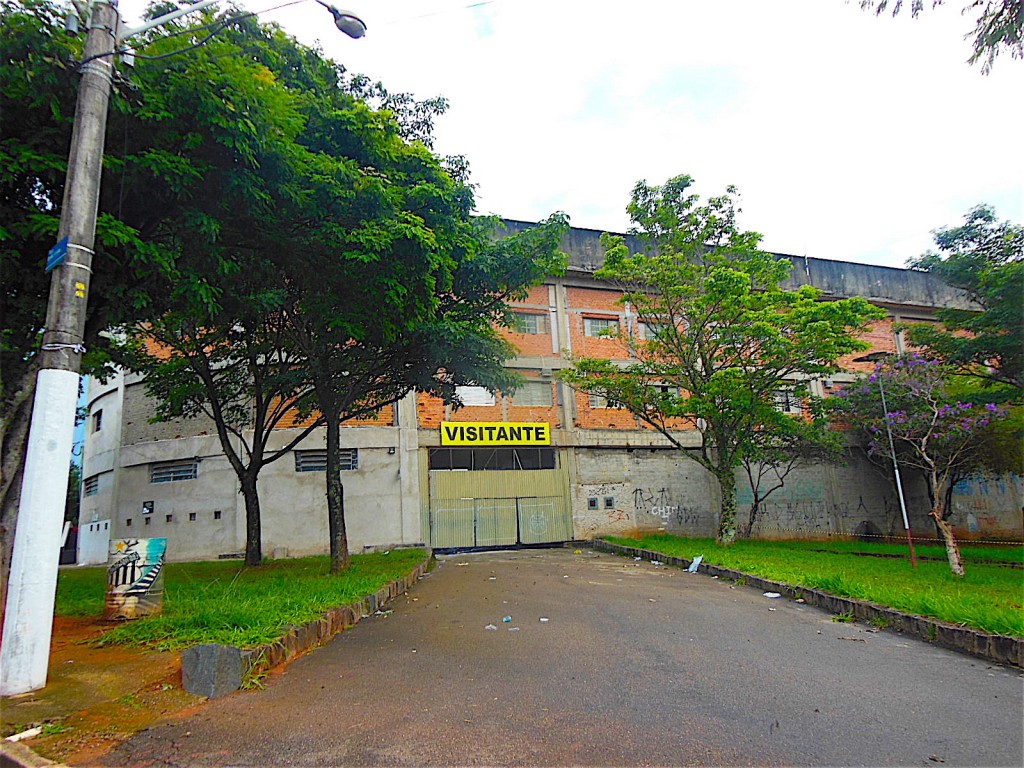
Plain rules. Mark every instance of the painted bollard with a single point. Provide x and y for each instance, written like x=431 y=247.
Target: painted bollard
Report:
x=135 y=578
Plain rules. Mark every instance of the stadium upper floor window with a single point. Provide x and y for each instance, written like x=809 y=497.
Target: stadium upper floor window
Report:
x=787 y=401
x=475 y=395
x=600 y=326
x=529 y=322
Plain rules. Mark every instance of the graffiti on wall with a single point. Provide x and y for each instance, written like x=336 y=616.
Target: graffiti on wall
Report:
x=662 y=504
x=135 y=584
x=603 y=512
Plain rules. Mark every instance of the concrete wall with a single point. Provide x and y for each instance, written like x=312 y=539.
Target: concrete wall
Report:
x=990 y=507
x=850 y=498
x=207 y=514
x=653 y=489
x=212 y=498
x=101 y=449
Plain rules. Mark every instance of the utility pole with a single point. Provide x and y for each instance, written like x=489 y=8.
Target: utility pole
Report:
x=28 y=619
x=32 y=583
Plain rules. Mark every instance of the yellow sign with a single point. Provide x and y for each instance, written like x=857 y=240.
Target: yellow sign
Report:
x=474 y=433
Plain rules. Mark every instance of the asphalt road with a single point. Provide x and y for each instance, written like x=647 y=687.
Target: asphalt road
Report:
x=636 y=665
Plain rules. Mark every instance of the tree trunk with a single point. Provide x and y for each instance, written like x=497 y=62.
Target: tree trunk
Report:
x=335 y=495
x=755 y=508
x=253 y=531
x=727 y=519
x=956 y=565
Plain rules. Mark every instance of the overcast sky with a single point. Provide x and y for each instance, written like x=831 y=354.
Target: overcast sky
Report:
x=849 y=136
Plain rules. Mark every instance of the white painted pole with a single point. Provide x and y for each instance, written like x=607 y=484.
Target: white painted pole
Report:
x=32 y=585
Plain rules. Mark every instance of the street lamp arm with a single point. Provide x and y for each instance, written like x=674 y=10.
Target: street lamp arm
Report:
x=125 y=34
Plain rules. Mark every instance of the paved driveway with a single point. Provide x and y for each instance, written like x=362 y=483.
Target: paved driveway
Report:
x=635 y=665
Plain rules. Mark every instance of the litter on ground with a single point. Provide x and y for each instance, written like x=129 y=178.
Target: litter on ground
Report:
x=695 y=564
x=772 y=594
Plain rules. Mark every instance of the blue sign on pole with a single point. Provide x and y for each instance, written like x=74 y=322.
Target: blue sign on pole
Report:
x=57 y=254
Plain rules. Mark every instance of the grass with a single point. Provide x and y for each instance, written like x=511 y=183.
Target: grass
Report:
x=990 y=597
x=229 y=603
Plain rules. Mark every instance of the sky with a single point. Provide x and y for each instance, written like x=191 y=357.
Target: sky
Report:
x=848 y=136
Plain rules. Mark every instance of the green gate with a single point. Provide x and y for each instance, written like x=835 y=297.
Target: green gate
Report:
x=498 y=508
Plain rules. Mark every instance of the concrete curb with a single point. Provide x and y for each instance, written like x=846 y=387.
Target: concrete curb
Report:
x=216 y=670
x=15 y=755
x=995 y=648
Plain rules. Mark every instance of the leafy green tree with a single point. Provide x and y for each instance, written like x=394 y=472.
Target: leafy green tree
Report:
x=415 y=305
x=985 y=258
x=727 y=338
x=37 y=96
x=934 y=429
x=338 y=269
x=213 y=290
x=999 y=26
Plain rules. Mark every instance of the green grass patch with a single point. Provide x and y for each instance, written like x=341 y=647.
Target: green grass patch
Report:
x=990 y=597
x=230 y=603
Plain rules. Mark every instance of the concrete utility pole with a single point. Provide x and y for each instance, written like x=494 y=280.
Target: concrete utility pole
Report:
x=32 y=583
x=33 y=578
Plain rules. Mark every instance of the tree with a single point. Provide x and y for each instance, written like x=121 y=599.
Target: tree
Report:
x=774 y=453
x=209 y=334
x=414 y=307
x=999 y=25
x=38 y=87
x=933 y=430
x=984 y=258
x=727 y=339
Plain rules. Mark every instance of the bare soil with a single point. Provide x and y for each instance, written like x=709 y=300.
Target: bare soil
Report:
x=94 y=697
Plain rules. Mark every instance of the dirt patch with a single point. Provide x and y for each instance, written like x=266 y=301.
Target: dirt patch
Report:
x=96 y=698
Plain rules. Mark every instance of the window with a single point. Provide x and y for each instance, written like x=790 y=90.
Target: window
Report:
x=97 y=420
x=172 y=471
x=316 y=460
x=597 y=401
x=148 y=520
x=475 y=395
x=786 y=400
x=216 y=514
x=529 y=323
x=479 y=459
x=128 y=522
x=609 y=502
x=91 y=486
x=191 y=517
x=592 y=503
x=169 y=518
x=533 y=393
x=597 y=326
x=650 y=329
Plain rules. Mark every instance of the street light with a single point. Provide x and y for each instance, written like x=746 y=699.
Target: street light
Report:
x=32 y=581
x=347 y=22
x=875 y=357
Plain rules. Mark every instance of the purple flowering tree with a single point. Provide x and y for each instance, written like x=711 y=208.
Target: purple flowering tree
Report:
x=936 y=429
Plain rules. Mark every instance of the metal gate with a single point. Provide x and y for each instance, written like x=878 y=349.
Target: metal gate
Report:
x=498 y=508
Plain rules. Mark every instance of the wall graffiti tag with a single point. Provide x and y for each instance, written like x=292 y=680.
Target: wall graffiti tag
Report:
x=135 y=584
x=661 y=504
